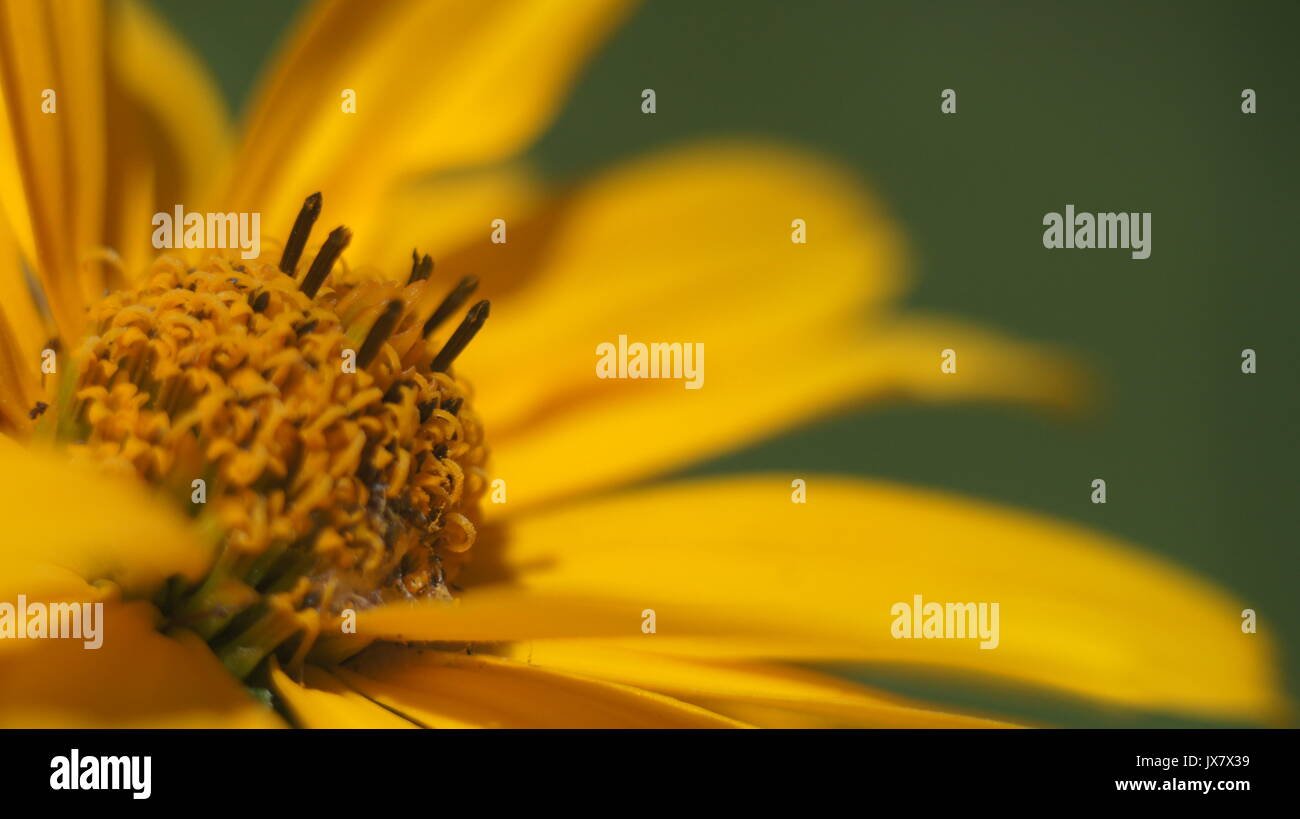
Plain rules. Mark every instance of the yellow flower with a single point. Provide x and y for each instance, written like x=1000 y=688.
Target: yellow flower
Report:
x=339 y=560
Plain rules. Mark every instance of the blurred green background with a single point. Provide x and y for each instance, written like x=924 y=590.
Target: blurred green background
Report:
x=1106 y=105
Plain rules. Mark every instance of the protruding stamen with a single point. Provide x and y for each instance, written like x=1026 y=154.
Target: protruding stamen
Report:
x=379 y=332
x=324 y=261
x=301 y=232
x=420 y=269
x=460 y=339
x=458 y=295
x=260 y=301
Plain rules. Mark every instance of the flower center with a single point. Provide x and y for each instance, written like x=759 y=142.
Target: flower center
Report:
x=308 y=422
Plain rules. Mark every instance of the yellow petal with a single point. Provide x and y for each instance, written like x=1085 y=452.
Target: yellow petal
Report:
x=325 y=702
x=19 y=390
x=445 y=690
x=44 y=582
x=722 y=685
x=651 y=428
x=690 y=246
x=52 y=188
x=437 y=85
x=450 y=217
x=675 y=244
x=169 y=131
x=907 y=356
x=135 y=122
x=495 y=614
x=1080 y=612
x=694 y=248
x=137 y=678
x=28 y=324
x=59 y=514
x=773 y=717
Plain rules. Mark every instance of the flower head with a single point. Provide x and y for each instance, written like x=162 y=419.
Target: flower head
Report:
x=279 y=473
x=345 y=460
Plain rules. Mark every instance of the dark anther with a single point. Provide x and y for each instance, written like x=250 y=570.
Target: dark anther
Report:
x=440 y=451
x=306 y=327
x=36 y=411
x=426 y=409
x=460 y=339
x=450 y=304
x=324 y=261
x=263 y=299
x=379 y=333
x=394 y=393
x=453 y=406
x=420 y=268
x=367 y=473
x=301 y=232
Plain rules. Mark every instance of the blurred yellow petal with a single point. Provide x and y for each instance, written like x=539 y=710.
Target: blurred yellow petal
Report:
x=19 y=390
x=44 y=582
x=694 y=247
x=56 y=513
x=137 y=678
x=445 y=690
x=724 y=684
x=52 y=188
x=1080 y=612
x=325 y=702
x=653 y=427
x=169 y=134
x=906 y=357
x=670 y=246
x=669 y=249
x=26 y=320
x=775 y=717
x=450 y=217
x=437 y=84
